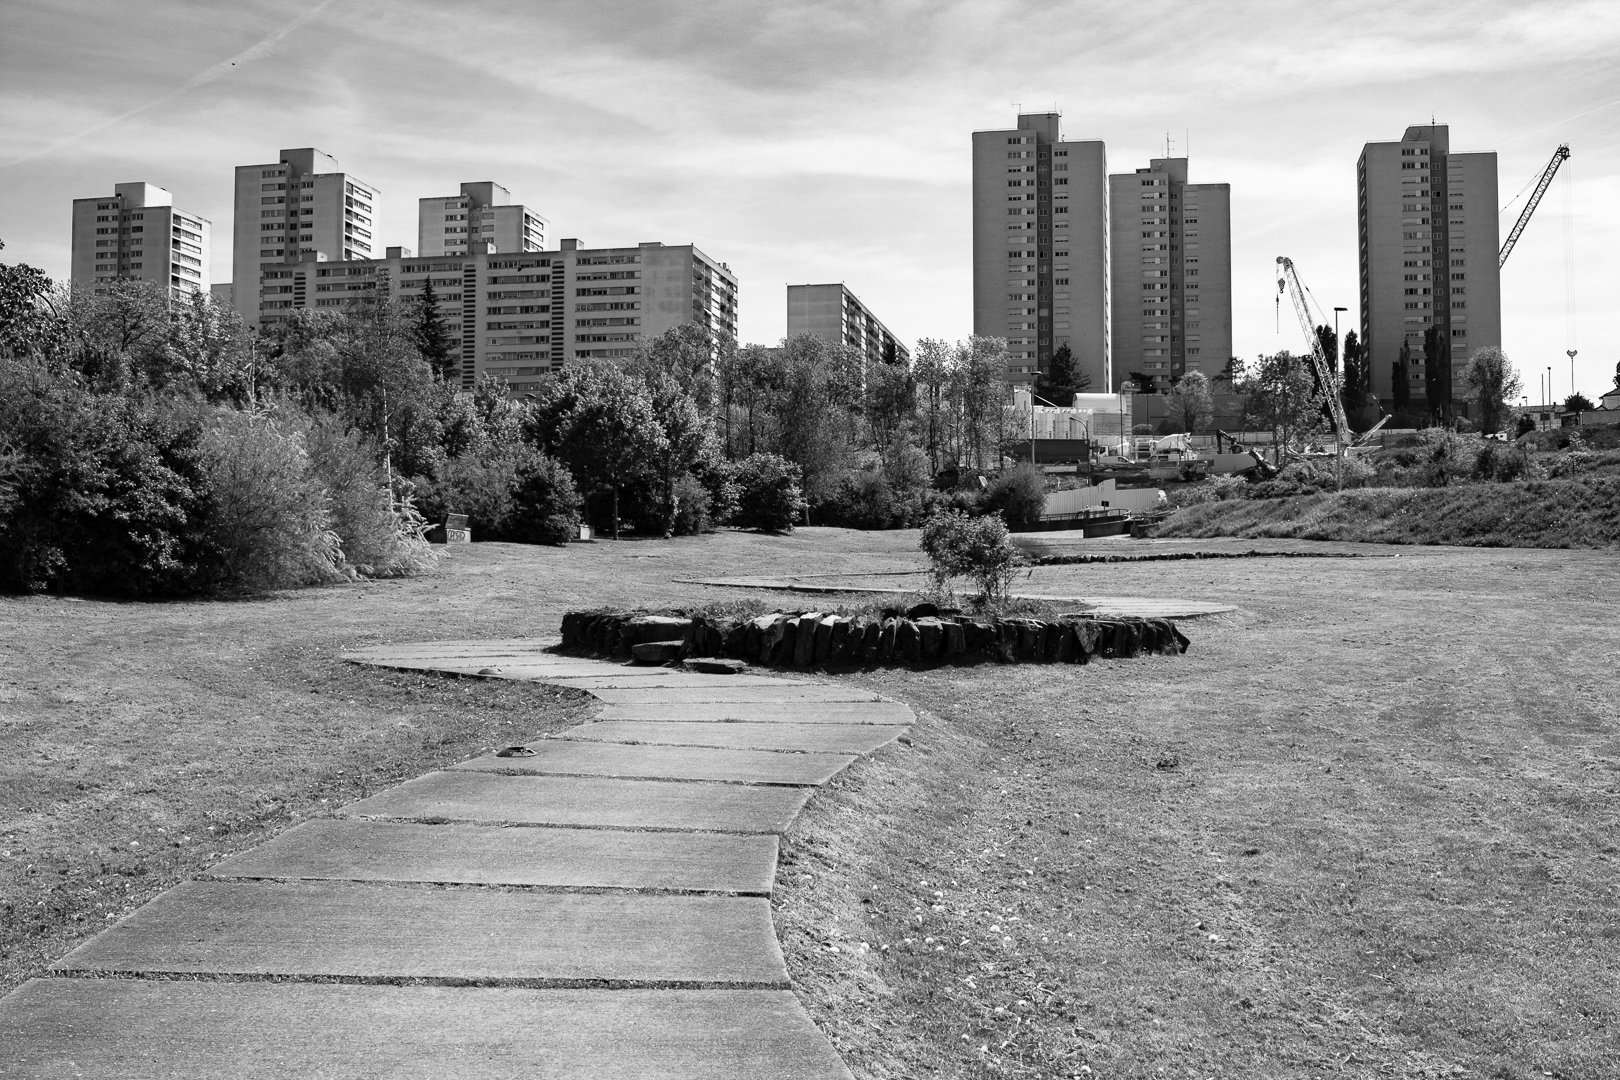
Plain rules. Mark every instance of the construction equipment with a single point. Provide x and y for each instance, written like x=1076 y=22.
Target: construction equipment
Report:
x=1547 y=175
x=1327 y=377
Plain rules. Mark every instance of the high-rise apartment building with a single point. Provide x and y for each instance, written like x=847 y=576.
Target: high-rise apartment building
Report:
x=833 y=313
x=1429 y=239
x=299 y=206
x=1040 y=246
x=481 y=215
x=136 y=233
x=521 y=315
x=1171 y=246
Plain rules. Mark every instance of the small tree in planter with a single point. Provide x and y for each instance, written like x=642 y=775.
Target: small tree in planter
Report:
x=980 y=548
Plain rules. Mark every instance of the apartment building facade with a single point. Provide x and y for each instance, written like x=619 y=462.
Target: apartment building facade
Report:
x=1428 y=241
x=482 y=214
x=1040 y=247
x=138 y=234
x=1171 y=246
x=833 y=313
x=299 y=207
x=520 y=316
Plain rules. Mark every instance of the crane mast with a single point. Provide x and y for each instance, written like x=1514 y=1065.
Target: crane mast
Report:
x=1326 y=376
x=1547 y=175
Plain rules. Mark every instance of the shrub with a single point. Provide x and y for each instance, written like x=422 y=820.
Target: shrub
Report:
x=861 y=500
x=1019 y=493
x=1502 y=462
x=1307 y=476
x=544 y=501
x=769 y=493
x=479 y=486
x=381 y=533
x=105 y=493
x=978 y=547
x=719 y=478
x=1215 y=489
x=692 y=507
x=272 y=516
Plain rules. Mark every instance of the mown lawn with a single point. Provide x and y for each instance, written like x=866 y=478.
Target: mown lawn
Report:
x=1366 y=826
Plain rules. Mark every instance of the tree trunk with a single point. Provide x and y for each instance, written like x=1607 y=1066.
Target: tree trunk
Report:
x=615 y=511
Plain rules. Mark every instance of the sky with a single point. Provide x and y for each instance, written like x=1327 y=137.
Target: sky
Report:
x=829 y=141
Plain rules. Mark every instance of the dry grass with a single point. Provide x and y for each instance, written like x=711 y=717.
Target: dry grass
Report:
x=1363 y=828
x=1391 y=793
x=1576 y=513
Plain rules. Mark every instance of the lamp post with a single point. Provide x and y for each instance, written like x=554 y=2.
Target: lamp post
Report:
x=1571 y=353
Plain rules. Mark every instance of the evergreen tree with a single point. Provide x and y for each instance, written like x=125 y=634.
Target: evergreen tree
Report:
x=433 y=336
x=1437 y=374
x=1401 y=380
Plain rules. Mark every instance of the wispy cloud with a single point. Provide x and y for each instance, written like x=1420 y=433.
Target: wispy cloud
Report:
x=257 y=51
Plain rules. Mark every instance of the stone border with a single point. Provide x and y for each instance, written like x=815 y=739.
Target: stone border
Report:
x=817 y=639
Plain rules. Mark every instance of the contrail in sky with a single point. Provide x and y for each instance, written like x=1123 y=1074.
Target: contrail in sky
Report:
x=256 y=51
x=1560 y=123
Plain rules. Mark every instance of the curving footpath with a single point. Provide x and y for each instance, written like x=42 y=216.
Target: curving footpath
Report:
x=600 y=909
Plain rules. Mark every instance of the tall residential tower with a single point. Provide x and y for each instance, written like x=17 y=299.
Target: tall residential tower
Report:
x=301 y=205
x=1040 y=247
x=1429 y=239
x=137 y=233
x=483 y=214
x=1172 y=273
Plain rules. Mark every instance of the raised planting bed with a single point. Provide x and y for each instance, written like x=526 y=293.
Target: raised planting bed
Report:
x=801 y=639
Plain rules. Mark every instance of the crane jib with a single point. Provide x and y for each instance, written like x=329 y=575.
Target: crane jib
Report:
x=1546 y=180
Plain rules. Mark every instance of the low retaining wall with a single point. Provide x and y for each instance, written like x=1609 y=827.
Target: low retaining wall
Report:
x=812 y=639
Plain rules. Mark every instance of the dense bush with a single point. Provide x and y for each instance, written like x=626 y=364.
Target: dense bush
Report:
x=105 y=493
x=1018 y=494
x=975 y=547
x=544 y=503
x=380 y=533
x=272 y=517
x=693 y=507
x=769 y=494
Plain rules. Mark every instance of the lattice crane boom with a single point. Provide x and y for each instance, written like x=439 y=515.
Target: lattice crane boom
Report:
x=1547 y=174
x=1326 y=376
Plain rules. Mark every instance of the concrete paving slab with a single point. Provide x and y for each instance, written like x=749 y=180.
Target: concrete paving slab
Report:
x=563 y=757
x=331 y=929
x=597 y=802
x=822 y=738
x=815 y=712
x=186 y=1030
x=729 y=691
x=338 y=849
x=665 y=677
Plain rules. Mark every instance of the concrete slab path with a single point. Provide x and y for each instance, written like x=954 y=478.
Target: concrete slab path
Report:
x=488 y=936
x=781 y=735
x=565 y=757
x=632 y=855
x=342 y=850
x=588 y=802
x=273 y=1031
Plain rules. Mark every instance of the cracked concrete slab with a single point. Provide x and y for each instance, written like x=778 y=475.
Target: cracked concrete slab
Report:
x=348 y=850
x=812 y=712
x=565 y=757
x=598 y=802
x=823 y=738
x=185 y=1030
x=424 y=932
x=733 y=693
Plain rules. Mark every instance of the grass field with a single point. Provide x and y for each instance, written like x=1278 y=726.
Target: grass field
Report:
x=1366 y=826
x=1571 y=513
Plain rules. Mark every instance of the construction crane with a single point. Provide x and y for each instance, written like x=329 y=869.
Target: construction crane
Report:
x=1326 y=376
x=1547 y=175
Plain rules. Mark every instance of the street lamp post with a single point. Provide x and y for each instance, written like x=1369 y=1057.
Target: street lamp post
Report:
x=1571 y=353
